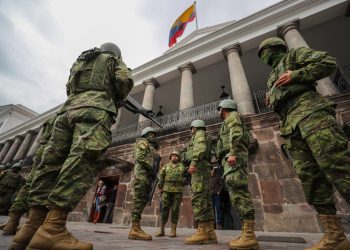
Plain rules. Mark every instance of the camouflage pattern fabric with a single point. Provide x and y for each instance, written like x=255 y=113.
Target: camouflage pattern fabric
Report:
x=318 y=150
x=172 y=177
x=10 y=184
x=20 y=205
x=171 y=200
x=234 y=140
x=315 y=143
x=295 y=101
x=144 y=154
x=68 y=164
x=198 y=153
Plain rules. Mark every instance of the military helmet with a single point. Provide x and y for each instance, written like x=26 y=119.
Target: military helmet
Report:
x=227 y=104
x=17 y=165
x=111 y=47
x=198 y=124
x=175 y=153
x=146 y=130
x=272 y=42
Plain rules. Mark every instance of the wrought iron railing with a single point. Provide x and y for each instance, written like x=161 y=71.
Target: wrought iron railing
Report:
x=259 y=101
x=342 y=78
x=175 y=122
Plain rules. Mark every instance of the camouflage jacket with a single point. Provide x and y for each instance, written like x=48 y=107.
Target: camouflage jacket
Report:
x=102 y=82
x=172 y=177
x=198 y=151
x=144 y=155
x=295 y=101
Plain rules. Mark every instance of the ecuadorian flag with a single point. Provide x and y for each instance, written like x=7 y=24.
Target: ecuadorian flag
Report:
x=179 y=25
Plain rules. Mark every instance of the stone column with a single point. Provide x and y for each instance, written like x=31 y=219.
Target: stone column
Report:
x=290 y=33
x=24 y=146
x=186 y=92
x=5 y=149
x=36 y=143
x=148 y=98
x=239 y=84
x=117 y=120
x=13 y=150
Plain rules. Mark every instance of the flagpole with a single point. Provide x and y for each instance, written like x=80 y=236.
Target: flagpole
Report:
x=195 y=7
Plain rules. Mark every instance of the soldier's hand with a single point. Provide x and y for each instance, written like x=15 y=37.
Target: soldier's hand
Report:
x=284 y=79
x=192 y=169
x=231 y=160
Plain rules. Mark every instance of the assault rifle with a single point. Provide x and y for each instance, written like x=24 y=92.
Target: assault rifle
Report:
x=155 y=180
x=136 y=108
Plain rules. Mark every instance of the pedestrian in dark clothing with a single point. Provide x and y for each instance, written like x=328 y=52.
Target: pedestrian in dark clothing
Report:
x=215 y=185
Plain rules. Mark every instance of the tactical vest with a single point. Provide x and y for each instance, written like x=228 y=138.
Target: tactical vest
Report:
x=173 y=174
x=279 y=96
x=224 y=142
x=90 y=72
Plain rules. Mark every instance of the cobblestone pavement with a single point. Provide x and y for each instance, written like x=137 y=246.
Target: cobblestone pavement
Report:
x=111 y=237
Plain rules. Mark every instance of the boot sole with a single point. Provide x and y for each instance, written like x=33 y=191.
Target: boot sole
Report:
x=6 y=233
x=136 y=238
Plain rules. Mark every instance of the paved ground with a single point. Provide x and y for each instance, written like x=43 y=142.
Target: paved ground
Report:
x=110 y=237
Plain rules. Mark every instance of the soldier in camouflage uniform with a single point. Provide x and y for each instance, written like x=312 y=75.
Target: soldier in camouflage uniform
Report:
x=20 y=205
x=198 y=153
x=232 y=153
x=316 y=144
x=171 y=182
x=144 y=155
x=10 y=184
x=98 y=81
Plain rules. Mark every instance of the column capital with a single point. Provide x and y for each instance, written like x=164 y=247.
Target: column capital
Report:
x=188 y=66
x=236 y=47
x=151 y=81
x=284 y=28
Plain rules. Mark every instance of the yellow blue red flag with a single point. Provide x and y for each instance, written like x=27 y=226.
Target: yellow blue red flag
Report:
x=179 y=25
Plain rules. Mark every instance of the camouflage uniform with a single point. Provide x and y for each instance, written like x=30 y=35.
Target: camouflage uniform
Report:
x=20 y=205
x=198 y=153
x=171 y=181
x=97 y=83
x=144 y=155
x=315 y=142
x=233 y=140
x=10 y=184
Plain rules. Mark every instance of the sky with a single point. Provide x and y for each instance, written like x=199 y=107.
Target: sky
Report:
x=40 y=39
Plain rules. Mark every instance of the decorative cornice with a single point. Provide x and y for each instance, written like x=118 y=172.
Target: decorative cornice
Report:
x=284 y=28
x=189 y=66
x=151 y=81
x=236 y=47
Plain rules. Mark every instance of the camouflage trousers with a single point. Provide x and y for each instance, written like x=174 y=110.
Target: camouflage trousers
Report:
x=170 y=201
x=68 y=164
x=321 y=160
x=201 y=198
x=20 y=205
x=139 y=198
x=236 y=182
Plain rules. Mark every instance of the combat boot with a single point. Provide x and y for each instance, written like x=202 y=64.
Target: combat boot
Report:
x=12 y=224
x=247 y=239
x=136 y=233
x=35 y=219
x=334 y=237
x=173 y=231
x=212 y=239
x=54 y=235
x=161 y=231
x=200 y=237
x=3 y=225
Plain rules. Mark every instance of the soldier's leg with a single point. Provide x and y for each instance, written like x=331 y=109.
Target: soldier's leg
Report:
x=317 y=189
x=90 y=138
x=329 y=147
x=139 y=198
x=167 y=199
x=175 y=207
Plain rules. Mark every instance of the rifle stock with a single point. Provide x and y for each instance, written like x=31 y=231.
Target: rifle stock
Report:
x=136 y=108
x=154 y=179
